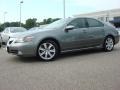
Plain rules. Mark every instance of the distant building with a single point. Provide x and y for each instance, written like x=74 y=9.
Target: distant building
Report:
x=112 y=16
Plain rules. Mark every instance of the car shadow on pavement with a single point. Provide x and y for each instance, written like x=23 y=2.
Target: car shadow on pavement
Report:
x=26 y=59
x=80 y=53
x=64 y=56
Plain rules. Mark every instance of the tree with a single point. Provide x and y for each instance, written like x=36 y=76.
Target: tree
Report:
x=14 y=24
x=44 y=21
x=48 y=21
x=1 y=29
x=30 y=23
x=9 y=24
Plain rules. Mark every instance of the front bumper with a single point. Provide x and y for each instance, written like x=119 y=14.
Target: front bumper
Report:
x=21 y=49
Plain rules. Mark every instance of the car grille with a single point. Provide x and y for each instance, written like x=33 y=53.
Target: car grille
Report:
x=12 y=51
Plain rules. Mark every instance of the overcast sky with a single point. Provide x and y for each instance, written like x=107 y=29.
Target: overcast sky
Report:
x=41 y=9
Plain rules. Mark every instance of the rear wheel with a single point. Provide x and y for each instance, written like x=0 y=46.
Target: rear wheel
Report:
x=48 y=50
x=108 y=44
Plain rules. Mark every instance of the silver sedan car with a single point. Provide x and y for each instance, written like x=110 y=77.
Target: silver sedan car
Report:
x=64 y=35
x=10 y=31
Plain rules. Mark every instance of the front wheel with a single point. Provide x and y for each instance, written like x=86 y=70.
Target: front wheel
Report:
x=108 y=44
x=48 y=50
x=0 y=45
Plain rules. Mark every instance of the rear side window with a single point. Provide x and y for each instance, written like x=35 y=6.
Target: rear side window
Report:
x=94 y=23
x=78 y=23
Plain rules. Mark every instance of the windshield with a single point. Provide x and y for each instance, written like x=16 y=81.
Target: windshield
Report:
x=16 y=30
x=57 y=23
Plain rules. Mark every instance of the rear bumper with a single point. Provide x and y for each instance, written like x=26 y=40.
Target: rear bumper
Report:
x=117 y=39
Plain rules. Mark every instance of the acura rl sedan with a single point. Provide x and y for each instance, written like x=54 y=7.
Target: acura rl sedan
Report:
x=64 y=35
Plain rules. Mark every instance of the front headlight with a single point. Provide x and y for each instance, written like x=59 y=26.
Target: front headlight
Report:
x=24 y=39
x=19 y=40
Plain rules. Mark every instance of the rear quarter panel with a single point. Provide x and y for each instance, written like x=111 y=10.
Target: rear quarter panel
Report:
x=110 y=30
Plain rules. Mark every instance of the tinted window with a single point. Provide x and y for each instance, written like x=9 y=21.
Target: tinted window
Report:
x=57 y=24
x=94 y=23
x=78 y=23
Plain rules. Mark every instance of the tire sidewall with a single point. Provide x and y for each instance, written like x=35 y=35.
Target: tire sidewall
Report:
x=104 y=45
x=56 y=50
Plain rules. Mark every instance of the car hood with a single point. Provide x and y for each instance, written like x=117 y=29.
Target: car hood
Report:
x=27 y=33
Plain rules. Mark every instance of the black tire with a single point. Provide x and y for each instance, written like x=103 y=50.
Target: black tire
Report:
x=108 y=40
x=0 y=45
x=55 y=48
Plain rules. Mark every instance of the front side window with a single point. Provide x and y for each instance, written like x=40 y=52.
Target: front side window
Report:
x=94 y=23
x=57 y=24
x=78 y=23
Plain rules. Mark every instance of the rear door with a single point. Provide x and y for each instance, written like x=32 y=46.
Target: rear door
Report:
x=95 y=32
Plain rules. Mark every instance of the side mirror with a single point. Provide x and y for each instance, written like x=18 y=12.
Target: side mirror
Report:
x=70 y=27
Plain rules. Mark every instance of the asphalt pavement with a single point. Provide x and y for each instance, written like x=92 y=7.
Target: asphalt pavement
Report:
x=84 y=70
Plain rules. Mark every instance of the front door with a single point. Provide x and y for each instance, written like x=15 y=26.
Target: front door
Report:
x=75 y=38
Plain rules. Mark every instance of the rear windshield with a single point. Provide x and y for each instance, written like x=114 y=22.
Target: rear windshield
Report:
x=16 y=30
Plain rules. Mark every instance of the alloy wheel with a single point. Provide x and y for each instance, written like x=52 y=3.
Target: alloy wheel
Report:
x=109 y=44
x=47 y=51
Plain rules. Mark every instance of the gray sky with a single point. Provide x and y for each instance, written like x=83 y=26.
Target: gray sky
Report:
x=41 y=9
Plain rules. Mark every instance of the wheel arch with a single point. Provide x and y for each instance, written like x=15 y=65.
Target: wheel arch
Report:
x=52 y=39
x=110 y=35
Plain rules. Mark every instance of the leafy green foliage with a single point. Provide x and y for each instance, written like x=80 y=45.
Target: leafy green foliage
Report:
x=28 y=24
